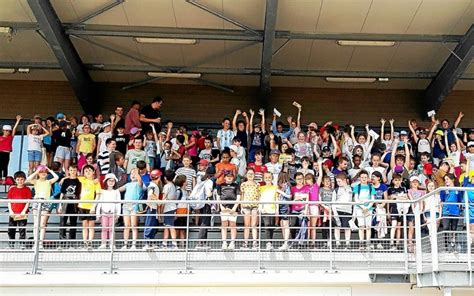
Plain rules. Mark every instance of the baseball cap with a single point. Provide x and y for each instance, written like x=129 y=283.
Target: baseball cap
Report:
x=414 y=178
x=428 y=168
x=470 y=143
x=210 y=171
x=326 y=148
x=470 y=131
x=62 y=123
x=134 y=130
x=110 y=176
x=42 y=168
x=105 y=124
x=328 y=163
x=7 y=127
x=234 y=148
x=37 y=116
x=274 y=151
x=439 y=132
x=403 y=133
x=204 y=162
x=155 y=174
x=60 y=115
x=313 y=125
x=396 y=134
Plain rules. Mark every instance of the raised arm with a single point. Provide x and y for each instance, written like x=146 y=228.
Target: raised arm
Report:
x=458 y=119
x=432 y=130
x=391 y=128
x=247 y=121
x=392 y=156
x=234 y=120
x=415 y=137
x=336 y=151
x=250 y=125
x=55 y=176
x=407 y=155
x=353 y=135
x=367 y=130
x=263 y=124
x=298 y=118
x=18 y=119
x=382 y=126
x=320 y=173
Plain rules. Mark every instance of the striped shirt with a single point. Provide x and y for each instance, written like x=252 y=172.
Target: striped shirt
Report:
x=190 y=174
x=103 y=160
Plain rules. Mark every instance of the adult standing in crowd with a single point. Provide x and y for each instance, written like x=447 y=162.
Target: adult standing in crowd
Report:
x=6 y=146
x=132 y=119
x=152 y=114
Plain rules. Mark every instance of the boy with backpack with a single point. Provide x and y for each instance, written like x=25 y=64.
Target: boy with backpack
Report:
x=364 y=194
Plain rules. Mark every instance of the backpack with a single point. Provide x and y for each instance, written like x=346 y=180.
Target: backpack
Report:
x=357 y=191
x=199 y=194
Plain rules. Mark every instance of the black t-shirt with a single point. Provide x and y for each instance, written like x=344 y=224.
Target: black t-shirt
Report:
x=122 y=143
x=257 y=140
x=71 y=188
x=242 y=136
x=62 y=138
x=228 y=192
x=151 y=113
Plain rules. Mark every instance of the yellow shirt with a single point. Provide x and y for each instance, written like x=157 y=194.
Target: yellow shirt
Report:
x=89 y=188
x=284 y=158
x=249 y=192
x=87 y=141
x=268 y=193
x=42 y=189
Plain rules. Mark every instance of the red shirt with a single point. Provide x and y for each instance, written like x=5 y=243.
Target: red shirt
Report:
x=259 y=171
x=19 y=193
x=6 y=143
x=200 y=143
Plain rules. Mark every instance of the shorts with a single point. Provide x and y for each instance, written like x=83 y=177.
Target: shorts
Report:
x=345 y=220
x=249 y=211
x=168 y=218
x=62 y=152
x=48 y=147
x=471 y=220
x=49 y=207
x=85 y=215
x=34 y=155
x=314 y=210
x=129 y=209
x=226 y=216
x=362 y=219
x=180 y=222
x=428 y=215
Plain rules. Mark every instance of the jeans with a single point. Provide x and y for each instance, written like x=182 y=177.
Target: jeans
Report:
x=63 y=222
x=205 y=222
x=269 y=224
x=151 y=222
x=12 y=227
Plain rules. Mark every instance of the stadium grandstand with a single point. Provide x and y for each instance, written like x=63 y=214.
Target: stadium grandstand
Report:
x=170 y=147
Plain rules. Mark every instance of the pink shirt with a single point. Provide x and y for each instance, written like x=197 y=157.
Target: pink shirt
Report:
x=314 y=192
x=299 y=194
x=132 y=119
x=193 y=150
x=6 y=143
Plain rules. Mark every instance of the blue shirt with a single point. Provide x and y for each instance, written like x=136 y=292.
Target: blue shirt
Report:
x=364 y=192
x=380 y=190
x=133 y=191
x=451 y=196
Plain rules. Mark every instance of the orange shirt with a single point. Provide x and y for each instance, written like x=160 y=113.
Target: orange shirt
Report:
x=224 y=167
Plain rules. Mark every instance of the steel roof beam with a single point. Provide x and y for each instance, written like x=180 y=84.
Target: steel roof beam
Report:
x=267 y=48
x=66 y=54
x=451 y=71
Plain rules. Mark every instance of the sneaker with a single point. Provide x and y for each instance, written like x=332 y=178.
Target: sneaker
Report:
x=124 y=247
x=269 y=247
x=379 y=246
x=231 y=246
x=173 y=247
x=224 y=246
x=283 y=247
x=338 y=245
x=255 y=246
x=133 y=247
x=361 y=248
x=102 y=247
x=370 y=247
x=244 y=246
x=147 y=247
x=393 y=247
x=59 y=248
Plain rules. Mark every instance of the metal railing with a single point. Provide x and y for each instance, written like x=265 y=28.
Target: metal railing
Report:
x=199 y=245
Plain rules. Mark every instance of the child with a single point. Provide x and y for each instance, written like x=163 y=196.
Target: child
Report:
x=305 y=169
x=300 y=194
x=6 y=146
x=187 y=171
x=303 y=148
x=250 y=192
x=228 y=191
x=313 y=213
x=135 y=155
x=268 y=194
x=153 y=194
x=35 y=140
x=258 y=166
x=451 y=211
x=150 y=147
x=342 y=195
x=257 y=135
x=85 y=145
x=103 y=137
x=396 y=193
x=273 y=166
x=208 y=153
x=181 y=221
x=325 y=195
x=70 y=190
x=240 y=163
x=364 y=194
x=414 y=193
x=169 y=210
x=121 y=139
x=18 y=212
x=284 y=210
x=42 y=188
x=432 y=204
x=380 y=211
x=109 y=212
x=90 y=190
x=223 y=167
x=133 y=191
x=178 y=151
x=387 y=137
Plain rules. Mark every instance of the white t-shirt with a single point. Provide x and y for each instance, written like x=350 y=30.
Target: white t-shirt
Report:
x=424 y=146
x=470 y=158
x=169 y=193
x=103 y=137
x=275 y=169
x=371 y=170
x=35 y=142
x=225 y=138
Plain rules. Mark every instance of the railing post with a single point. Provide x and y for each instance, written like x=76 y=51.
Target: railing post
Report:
x=433 y=231
x=259 y=267
x=468 y=236
x=37 y=233
x=418 y=245
x=186 y=246
x=331 y=254
x=112 y=245
x=405 y=242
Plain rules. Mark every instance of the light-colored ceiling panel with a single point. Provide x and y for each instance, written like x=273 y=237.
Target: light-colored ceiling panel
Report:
x=216 y=78
x=145 y=13
x=113 y=16
x=327 y=55
x=106 y=56
x=371 y=58
x=464 y=85
x=203 y=54
x=412 y=57
x=243 y=80
x=248 y=12
x=248 y=57
x=86 y=51
x=404 y=84
x=390 y=17
x=65 y=10
x=189 y=16
x=293 y=56
x=286 y=81
x=108 y=76
x=36 y=74
x=438 y=16
x=465 y=22
x=162 y=54
x=15 y=11
x=29 y=46
x=470 y=68
x=440 y=56
x=343 y=15
x=298 y=15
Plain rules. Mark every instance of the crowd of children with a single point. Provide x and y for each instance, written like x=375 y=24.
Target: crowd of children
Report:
x=318 y=171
